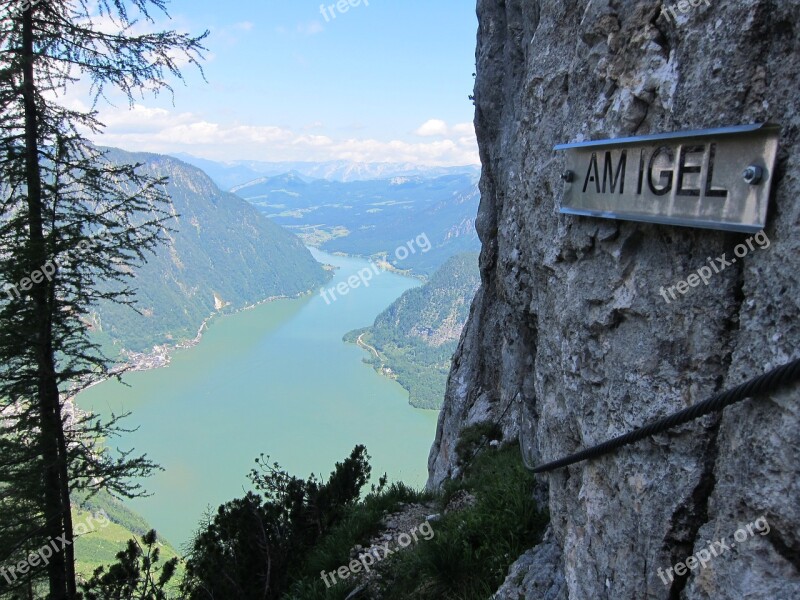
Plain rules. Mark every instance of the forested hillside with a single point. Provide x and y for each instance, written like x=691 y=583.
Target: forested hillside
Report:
x=221 y=254
x=415 y=337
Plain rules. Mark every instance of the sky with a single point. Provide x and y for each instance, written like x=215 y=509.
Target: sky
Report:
x=289 y=80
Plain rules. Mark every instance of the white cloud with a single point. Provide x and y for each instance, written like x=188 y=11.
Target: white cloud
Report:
x=229 y=35
x=432 y=127
x=465 y=129
x=304 y=29
x=439 y=128
x=164 y=131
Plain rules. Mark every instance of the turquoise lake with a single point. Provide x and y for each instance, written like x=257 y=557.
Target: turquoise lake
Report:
x=276 y=379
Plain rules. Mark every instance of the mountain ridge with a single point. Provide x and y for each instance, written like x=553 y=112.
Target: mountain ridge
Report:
x=375 y=218
x=223 y=255
x=232 y=173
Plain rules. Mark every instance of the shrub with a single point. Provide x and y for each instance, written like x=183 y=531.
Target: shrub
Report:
x=469 y=556
x=134 y=575
x=255 y=545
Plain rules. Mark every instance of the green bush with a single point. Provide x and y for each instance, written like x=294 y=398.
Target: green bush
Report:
x=255 y=546
x=317 y=524
x=361 y=524
x=468 y=557
x=472 y=549
x=134 y=575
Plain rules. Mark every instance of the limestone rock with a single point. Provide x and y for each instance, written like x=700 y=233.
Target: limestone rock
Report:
x=536 y=575
x=568 y=338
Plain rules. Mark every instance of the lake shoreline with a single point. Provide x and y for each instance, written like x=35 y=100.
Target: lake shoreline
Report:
x=161 y=355
x=384 y=264
x=246 y=390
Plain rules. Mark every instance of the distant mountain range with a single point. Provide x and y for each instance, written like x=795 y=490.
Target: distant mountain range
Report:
x=375 y=217
x=415 y=337
x=231 y=250
x=224 y=255
x=233 y=173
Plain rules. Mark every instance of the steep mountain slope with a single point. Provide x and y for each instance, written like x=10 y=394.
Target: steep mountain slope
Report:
x=415 y=337
x=223 y=255
x=376 y=217
x=569 y=341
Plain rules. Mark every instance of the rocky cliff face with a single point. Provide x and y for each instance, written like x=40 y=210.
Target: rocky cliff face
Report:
x=569 y=340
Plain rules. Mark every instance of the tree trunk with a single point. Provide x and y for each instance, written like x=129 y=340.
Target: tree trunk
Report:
x=49 y=406
x=69 y=549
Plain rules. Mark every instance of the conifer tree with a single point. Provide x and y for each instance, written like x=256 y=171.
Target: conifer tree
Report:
x=74 y=225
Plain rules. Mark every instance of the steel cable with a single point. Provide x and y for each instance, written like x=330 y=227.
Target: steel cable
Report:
x=768 y=382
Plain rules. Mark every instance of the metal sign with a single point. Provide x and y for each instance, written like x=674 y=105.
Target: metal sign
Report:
x=711 y=178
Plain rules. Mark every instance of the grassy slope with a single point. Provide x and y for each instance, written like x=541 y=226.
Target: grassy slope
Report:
x=100 y=546
x=471 y=550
